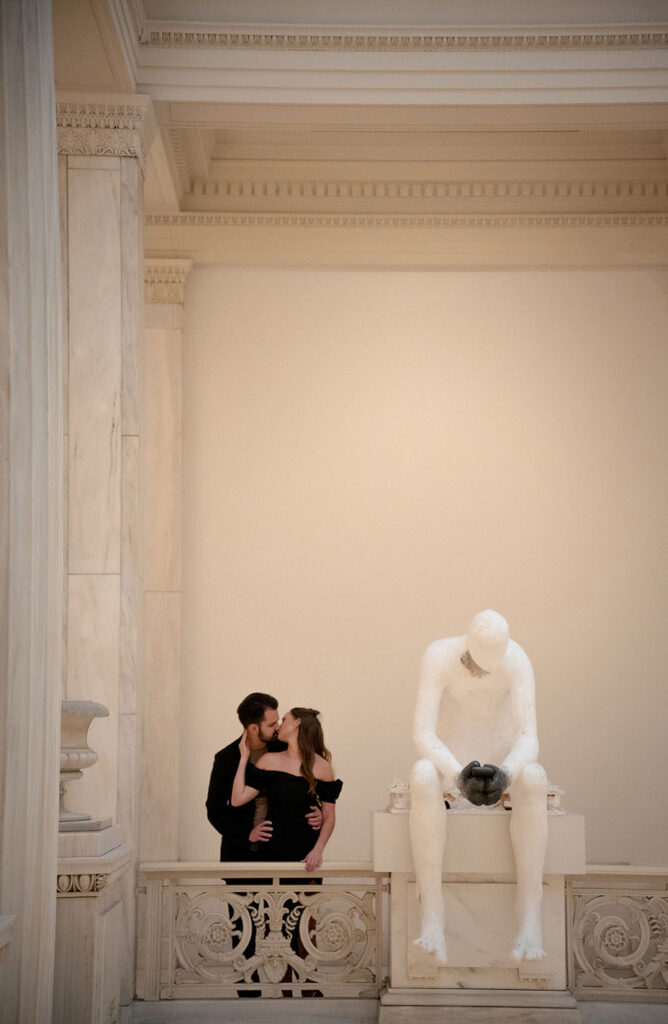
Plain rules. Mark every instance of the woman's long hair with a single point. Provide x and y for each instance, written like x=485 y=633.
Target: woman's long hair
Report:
x=310 y=742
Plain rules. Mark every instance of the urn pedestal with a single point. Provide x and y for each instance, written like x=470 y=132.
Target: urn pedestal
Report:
x=94 y=941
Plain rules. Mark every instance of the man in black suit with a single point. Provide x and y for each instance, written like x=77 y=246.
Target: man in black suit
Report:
x=243 y=828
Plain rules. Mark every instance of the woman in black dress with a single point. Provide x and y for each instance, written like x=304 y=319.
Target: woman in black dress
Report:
x=292 y=780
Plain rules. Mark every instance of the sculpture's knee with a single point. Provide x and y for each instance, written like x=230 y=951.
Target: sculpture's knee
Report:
x=425 y=778
x=533 y=782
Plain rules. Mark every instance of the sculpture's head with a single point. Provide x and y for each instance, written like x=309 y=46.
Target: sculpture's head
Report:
x=487 y=639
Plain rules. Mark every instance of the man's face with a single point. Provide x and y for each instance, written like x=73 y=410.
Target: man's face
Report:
x=267 y=727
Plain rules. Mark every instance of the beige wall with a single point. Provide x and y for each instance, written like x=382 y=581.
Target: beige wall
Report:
x=370 y=459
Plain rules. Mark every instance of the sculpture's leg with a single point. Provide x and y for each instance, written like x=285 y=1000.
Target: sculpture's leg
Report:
x=528 y=833
x=427 y=829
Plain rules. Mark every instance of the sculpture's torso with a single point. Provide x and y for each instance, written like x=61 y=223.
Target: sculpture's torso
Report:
x=475 y=717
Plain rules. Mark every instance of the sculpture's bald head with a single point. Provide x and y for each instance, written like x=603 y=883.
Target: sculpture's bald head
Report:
x=487 y=639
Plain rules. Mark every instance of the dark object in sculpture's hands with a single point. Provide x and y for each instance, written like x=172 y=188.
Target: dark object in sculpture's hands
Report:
x=482 y=785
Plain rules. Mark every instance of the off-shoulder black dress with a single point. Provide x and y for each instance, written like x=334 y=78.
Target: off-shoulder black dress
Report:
x=289 y=801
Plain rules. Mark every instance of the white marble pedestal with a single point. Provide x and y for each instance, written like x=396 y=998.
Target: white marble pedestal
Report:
x=481 y=981
x=94 y=958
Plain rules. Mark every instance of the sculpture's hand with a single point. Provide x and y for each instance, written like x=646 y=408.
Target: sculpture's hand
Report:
x=482 y=785
x=495 y=785
x=314 y=817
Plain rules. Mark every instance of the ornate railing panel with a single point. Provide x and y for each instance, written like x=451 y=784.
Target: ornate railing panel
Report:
x=618 y=939
x=276 y=933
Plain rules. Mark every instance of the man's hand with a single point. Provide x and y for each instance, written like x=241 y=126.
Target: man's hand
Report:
x=261 y=833
x=314 y=818
x=482 y=785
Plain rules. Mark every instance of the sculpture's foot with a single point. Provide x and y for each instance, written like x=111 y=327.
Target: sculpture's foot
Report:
x=528 y=943
x=432 y=941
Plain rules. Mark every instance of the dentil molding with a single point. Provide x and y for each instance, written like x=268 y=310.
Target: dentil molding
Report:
x=417 y=189
x=103 y=127
x=164 y=280
x=283 y=220
x=394 y=42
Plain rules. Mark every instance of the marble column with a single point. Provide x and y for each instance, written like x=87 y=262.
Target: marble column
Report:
x=102 y=154
x=164 y=292
x=100 y=141
x=30 y=512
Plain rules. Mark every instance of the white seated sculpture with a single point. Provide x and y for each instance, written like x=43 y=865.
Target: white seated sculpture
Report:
x=475 y=729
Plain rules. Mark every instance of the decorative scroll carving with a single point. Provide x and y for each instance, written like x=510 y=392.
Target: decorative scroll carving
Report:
x=619 y=941
x=81 y=885
x=101 y=129
x=164 y=280
x=354 y=220
x=322 y=939
x=359 y=41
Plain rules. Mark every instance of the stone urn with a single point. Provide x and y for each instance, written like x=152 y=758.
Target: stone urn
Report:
x=75 y=754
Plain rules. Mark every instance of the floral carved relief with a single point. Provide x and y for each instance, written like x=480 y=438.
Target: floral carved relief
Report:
x=619 y=942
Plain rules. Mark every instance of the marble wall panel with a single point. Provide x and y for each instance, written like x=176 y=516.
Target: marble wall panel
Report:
x=93 y=674
x=127 y=796
x=94 y=260
x=160 y=713
x=162 y=460
x=132 y=294
x=167 y=315
x=64 y=277
x=130 y=574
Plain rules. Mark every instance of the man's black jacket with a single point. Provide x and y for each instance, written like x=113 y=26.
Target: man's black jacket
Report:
x=233 y=823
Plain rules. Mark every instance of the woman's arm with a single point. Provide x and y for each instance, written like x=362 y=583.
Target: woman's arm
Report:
x=313 y=859
x=241 y=793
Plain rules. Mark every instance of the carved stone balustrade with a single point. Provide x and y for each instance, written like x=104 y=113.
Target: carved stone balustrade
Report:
x=207 y=937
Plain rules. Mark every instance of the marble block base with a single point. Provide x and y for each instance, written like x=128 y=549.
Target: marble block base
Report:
x=83 y=824
x=89 y=844
x=479 y=897
x=93 y=963
x=415 y=1006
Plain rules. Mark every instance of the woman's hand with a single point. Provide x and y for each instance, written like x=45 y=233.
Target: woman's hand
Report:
x=313 y=859
x=244 y=749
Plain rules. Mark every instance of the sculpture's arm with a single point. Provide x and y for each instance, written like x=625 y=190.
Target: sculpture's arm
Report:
x=427 y=707
x=524 y=750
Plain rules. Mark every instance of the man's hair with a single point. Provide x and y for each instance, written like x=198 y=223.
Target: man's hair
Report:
x=252 y=708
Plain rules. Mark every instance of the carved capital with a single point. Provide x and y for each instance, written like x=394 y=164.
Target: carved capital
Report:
x=100 y=127
x=164 y=280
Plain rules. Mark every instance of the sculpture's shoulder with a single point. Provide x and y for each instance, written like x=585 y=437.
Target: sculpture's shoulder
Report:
x=441 y=654
x=517 y=660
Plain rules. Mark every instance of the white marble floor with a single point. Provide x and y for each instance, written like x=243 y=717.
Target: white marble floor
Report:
x=252 y=1011
x=340 y=1011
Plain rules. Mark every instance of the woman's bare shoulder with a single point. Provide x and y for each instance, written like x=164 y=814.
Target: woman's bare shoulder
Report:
x=269 y=762
x=322 y=769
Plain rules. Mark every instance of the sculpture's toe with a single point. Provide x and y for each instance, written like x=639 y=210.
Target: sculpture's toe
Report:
x=432 y=942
